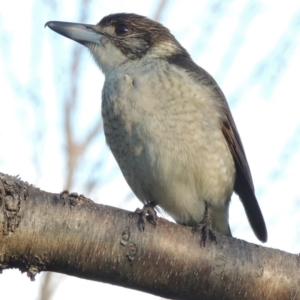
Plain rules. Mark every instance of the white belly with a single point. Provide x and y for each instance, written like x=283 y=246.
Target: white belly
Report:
x=166 y=138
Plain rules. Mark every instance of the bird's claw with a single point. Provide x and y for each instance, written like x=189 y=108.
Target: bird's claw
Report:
x=147 y=212
x=206 y=232
x=204 y=226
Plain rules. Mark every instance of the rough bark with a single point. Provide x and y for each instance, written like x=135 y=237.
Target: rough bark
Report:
x=70 y=234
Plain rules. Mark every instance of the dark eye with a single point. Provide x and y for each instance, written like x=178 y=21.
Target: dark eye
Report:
x=122 y=29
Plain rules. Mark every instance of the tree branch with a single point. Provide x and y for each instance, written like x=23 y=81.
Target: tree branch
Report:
x=70 y=234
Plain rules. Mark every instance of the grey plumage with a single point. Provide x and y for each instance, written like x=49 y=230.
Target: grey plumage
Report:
x=167 y=122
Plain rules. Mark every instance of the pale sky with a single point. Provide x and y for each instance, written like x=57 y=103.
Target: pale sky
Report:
x=253 y=53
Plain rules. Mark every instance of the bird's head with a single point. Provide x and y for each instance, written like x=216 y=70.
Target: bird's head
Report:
x=121 y=38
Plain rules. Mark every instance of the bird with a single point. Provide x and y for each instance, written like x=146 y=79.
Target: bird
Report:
x=168 y=124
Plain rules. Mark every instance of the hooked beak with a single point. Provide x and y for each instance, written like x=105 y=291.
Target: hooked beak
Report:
x=81 y=33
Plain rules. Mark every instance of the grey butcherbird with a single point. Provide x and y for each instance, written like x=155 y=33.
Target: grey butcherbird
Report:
x=168 y=123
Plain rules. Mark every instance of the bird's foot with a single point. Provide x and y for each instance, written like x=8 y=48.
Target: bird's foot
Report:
x=147 y=212
x=204 y=226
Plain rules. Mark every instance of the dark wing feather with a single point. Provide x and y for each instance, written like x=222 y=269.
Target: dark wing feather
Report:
x=243 y=184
